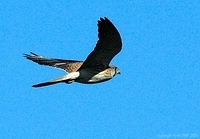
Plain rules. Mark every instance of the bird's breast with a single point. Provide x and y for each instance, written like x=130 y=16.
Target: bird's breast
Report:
x=89 y=76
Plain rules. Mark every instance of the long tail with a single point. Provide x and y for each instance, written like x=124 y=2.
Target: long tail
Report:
x=65 y=78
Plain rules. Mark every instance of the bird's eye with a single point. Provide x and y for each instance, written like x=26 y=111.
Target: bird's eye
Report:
x=116 y=70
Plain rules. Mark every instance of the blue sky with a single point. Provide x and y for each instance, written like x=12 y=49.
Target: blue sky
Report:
x=157 y=94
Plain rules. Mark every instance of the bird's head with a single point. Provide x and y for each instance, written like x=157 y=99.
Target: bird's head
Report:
x=115 y=70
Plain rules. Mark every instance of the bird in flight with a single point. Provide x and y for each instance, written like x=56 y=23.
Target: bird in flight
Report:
x=95 y=68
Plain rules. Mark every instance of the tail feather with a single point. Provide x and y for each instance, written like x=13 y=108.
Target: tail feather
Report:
x=44 y=84
x=65 y=78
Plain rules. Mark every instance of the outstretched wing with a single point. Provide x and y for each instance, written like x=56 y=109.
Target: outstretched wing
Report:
x=108 y=45
x=67 y=65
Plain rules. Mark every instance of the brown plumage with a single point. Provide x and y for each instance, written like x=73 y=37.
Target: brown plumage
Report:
x=96 y=67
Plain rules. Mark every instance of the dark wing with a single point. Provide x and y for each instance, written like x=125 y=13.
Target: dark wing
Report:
x=108 y=45
x=67 y=65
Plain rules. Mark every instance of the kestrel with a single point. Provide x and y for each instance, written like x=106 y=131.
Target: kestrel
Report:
x=95 y=68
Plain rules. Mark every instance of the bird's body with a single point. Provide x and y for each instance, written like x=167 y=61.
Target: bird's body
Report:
x=96 y=67
x=88 y=76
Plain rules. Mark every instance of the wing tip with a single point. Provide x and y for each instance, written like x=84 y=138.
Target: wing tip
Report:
x=103 y=19
x=29 y=55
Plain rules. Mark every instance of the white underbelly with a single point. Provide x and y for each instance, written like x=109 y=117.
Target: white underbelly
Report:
x=90 y=77
x=99 y=77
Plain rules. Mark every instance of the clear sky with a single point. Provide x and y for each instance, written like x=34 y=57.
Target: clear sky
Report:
x=157 y=94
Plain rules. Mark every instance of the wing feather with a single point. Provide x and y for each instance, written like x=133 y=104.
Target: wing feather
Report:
x=108 y=45
x=67 y=65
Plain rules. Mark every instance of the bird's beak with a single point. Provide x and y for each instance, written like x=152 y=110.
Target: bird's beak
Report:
x=118 y=72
